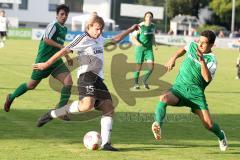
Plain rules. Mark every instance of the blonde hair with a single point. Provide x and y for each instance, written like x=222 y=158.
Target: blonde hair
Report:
x=95 y=19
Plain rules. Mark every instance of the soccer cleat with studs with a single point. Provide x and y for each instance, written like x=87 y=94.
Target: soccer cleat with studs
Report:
x=223 y=143
x=156 y=129
x=44 y=119
x=136 y=86
x=146 y=86
x=109 y=147
x=8 y=103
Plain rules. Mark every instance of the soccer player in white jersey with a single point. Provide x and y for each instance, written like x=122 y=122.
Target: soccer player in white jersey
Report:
x=3 y=28
x=196 y=72
x=93 y=93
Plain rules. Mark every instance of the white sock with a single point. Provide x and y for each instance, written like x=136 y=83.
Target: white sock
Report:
x=53 y=114
x=73 y=108
x=60 y=112
x=106 y=129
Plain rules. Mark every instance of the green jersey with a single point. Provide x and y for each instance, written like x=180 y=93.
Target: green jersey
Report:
x=57 y=33
x=190 y=70
x=146 y=34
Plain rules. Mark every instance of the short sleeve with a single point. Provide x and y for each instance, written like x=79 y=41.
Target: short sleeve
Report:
x=186 y=47
x=212 y=67
x=75 y=45
x=50 y=30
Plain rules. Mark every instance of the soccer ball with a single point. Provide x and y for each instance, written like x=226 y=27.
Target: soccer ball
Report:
x=92 y=140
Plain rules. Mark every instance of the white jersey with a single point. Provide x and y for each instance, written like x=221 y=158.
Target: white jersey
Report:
x=90 y=53
x=3 y=24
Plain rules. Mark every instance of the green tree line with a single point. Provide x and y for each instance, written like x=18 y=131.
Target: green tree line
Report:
x=221 y=9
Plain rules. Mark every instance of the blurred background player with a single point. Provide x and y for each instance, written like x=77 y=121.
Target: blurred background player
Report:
x=51 y=42
x=93 y=93
x=238 y=67
x=3 y=28
x=144 y=39
x=237 y=43
x=196 y=72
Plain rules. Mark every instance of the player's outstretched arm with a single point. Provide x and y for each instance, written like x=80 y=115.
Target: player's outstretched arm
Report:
x=54 y=58
x=171 y=63
x=51 y=42
x=123 y=34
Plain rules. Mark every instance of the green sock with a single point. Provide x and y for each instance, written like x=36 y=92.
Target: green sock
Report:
x=65 y=95
x=216 y=130
x=136 y=76
x=160 y=112
x=147 y=75
x=19 y=91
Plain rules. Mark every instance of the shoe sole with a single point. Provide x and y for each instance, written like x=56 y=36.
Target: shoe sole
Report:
x=7 y=107
x=42 y=121
x=156 y=131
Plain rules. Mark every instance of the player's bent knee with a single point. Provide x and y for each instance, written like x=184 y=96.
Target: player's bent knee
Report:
x=68 y=81
x=84 y=107
x=107 y=109
x=108 y=112
x=31 y=86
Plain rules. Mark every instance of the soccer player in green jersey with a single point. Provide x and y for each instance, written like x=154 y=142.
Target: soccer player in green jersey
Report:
x=144 y=39
x=51 y=42
x=196 y=72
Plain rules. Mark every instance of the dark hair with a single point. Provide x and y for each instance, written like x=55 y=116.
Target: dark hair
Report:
x=210 y=35
x=62 y=7
x=147 y=13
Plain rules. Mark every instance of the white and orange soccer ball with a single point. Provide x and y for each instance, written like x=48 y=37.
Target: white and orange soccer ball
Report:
x=92 y=140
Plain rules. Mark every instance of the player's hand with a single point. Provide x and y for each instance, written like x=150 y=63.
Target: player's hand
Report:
x=200 y=55
x=70 y=62
x=170 y=64
x=40 y=66
x=139 y=44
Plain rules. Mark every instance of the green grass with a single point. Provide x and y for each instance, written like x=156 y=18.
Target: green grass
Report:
x=183 y=135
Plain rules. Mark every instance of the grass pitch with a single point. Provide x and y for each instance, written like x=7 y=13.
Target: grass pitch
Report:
x=183 y=135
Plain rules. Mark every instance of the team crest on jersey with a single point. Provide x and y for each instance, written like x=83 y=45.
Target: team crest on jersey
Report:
x=192 y=58
x=147 y=33
x=98 y=50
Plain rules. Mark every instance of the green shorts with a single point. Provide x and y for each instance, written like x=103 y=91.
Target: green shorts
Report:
x=190 y=96
x=57 y=68
x=143 y=54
